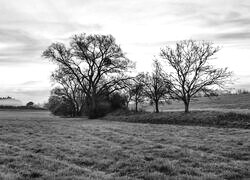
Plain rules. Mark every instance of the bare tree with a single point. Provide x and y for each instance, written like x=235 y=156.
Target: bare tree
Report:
x=97 y=63
x=137 y=90
x=191 y=71
x=127 y=93
x=155 y=86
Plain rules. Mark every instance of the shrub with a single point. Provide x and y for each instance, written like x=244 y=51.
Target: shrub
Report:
x=106 y=105
x=60 y=106
x=102 y=108
x=117 y=101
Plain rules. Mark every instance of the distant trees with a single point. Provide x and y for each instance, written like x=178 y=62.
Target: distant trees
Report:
x=8 y=97
x=191 y=72
x=95 y=62
x=242 y=91
x=30 y=104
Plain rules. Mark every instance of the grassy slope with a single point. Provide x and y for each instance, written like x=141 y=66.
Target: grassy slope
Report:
x=237 y=102
x=37 y=145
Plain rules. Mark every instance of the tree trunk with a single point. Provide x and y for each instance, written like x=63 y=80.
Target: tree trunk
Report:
x=73 y=113
x=92 y=108
x=81 y=109
x=156 y=106
x=186 y=107
x=127 y=103
x=136 y=106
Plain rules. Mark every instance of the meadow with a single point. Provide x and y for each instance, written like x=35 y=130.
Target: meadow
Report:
x=227 y=102
x=37 y=145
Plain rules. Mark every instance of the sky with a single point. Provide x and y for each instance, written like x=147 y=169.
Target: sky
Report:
x=141 y=28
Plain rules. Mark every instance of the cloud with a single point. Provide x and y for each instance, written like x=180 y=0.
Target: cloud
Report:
x=30 y=83
x=230 y=19
x=19 y=46
x=35 y=95
x=233 y=39
x=153 y=44
x=233 y=36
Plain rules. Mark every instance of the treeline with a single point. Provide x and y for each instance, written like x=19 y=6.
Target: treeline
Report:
x=8 y=97
x=22 y=107
x=93 y=76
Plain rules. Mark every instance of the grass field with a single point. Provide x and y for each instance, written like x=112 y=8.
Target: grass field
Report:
x=36 y=145
x=237 y=103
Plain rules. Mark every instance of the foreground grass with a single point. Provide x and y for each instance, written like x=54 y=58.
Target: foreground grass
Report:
x=35 y=145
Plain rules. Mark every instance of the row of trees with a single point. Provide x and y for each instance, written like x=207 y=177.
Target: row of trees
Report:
x=152 y=86
x=93 y=72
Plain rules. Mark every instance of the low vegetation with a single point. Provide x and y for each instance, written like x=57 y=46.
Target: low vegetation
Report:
x=36 y=145
x=200 y=118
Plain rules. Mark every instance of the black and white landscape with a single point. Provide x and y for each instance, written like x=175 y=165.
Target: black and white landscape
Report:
x=143 y=89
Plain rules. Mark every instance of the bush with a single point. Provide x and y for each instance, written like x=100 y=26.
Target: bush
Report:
x=60 y=106
x=106 y=105
x=102 y=108
x=117 y=101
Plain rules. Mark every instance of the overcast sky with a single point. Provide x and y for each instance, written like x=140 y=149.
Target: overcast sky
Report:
x=141 y=27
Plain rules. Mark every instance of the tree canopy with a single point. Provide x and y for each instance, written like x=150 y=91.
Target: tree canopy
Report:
x=95 y=62
x=191 y=72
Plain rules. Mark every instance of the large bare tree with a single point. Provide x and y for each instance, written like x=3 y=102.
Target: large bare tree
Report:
x=97 y=63
x=156 y=88
x=191 y=71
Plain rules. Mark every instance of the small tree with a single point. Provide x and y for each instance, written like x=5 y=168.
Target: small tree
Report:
x=127 y=96
x=137 y=92
x=191 y=71
x=128 y=91
x=155 y=86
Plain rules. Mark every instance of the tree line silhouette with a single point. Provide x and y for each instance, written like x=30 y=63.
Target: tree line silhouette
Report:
x=93 y=75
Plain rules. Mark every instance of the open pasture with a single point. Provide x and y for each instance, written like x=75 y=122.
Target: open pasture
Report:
x=36 y=145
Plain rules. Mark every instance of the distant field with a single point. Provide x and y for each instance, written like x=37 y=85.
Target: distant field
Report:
x=36 y=145
x=239 y=103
